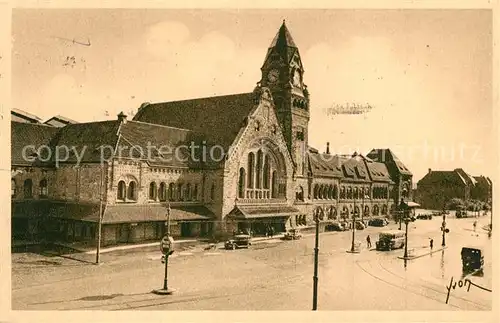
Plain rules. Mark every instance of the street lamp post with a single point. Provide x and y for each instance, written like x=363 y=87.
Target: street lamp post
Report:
x=407 y=220
x=316 y=253
x=353 y=226
x=443 y=228
x=166 y=246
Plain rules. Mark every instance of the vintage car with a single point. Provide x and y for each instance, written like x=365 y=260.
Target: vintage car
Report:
x=238 y=241
x=472 y=259
x=380 y=222
x=389 y=240
x=292 y=234
x=360 y=225
x=425 y=216
x=335 y=227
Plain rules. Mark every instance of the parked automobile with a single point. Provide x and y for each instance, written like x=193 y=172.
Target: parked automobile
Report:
x=335 y=227
x=389 y=240
x=472 y=259
x=292 y=234
x=360 y=225
x=378 y=222
x=238 y=241
x=425 y=216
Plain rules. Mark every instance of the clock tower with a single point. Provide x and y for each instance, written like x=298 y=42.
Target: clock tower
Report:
x=283 y=73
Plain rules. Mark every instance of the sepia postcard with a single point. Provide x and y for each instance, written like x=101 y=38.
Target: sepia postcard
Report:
x=248 y=163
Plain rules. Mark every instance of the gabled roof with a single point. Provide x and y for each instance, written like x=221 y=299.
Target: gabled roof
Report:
x=434 y=177
x=378 y=171
x=214 y=119
x=386 y=155
x=86 y=141
x=23 y=116
x=25 y=134
x=325 y=164
x=467 y=177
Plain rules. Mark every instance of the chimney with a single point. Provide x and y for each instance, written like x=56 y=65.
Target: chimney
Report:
x=328 y=148
x=430 y=170
x=122 y=117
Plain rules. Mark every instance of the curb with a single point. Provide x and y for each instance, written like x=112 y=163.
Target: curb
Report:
x=422 y=255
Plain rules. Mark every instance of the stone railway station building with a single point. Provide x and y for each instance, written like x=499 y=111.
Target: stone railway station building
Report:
x=252 y=168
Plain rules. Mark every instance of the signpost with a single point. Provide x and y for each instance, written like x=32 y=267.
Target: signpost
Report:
x=167 y=248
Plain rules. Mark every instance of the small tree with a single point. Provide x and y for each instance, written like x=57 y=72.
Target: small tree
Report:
x=456 y=204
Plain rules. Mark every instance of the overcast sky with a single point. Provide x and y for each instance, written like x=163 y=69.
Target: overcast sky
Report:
x=427 y=74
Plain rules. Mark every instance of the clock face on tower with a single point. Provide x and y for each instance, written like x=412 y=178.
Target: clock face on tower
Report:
x=273 y=75
x=296 y=78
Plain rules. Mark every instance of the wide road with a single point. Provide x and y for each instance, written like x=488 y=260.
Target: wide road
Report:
x=272 y=275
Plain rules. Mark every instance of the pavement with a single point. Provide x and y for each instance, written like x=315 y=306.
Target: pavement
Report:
x=272 y=275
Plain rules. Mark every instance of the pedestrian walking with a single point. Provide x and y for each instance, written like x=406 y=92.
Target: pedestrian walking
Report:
x=271 y=231
x=368 y=242
x=431 y=243
x=475 y=224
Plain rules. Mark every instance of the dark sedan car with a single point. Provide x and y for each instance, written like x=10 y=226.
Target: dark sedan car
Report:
x=378 y=222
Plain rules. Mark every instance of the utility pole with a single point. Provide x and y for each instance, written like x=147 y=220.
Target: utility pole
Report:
x=316 y=252
x=99 y=224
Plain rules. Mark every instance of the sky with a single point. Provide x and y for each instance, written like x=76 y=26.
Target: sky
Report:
x=426 y=73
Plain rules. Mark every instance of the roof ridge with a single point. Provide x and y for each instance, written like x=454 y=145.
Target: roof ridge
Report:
x=160 y=125
x=199 y=98
x=35 y=124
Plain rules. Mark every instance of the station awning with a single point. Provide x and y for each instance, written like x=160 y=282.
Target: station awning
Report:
x=256 y=212
x=149 y=213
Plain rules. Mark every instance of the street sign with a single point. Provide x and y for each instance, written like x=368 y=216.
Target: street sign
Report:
x=166 y=244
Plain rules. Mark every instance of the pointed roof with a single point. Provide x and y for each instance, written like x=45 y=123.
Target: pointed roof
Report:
x=283 y=45
x=283 y=38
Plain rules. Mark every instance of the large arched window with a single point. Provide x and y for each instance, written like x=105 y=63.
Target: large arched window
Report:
x=162 y=192
x=384 y=209
x=28 y=188
x=152 y=191
x=274 y=185
x=241 y=183
x=43 y=188
x=266 y=174
x=171 y=189
x=132 y=191
x=375 y=210
x=251 y=172
x=122 y=191
x=259 y=169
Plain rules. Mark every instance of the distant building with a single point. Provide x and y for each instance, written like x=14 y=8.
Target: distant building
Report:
x=23 y=116
x=436 y=188
x=59 y=121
